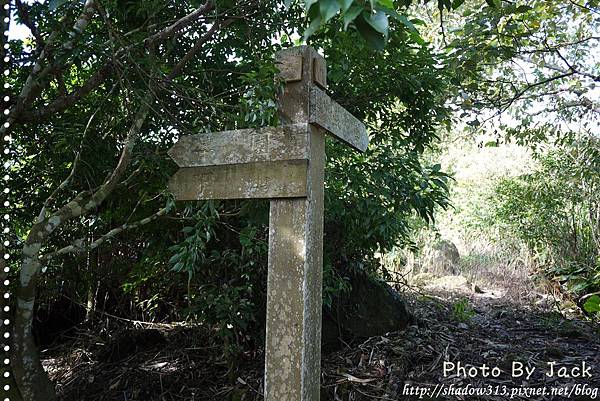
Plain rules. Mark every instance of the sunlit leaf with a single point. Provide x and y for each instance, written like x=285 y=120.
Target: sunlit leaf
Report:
x=592 y=305
x=328 y=8
x=314 y=25
x=351 y=14
x=378 y=21
x=387 y=3
x=373 y=37
x=345 y=4
x=54 y=4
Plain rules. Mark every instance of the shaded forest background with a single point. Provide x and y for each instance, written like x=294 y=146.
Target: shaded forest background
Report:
x=98 y=91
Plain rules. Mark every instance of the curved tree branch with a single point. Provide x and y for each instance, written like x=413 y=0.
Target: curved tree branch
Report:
x=180 y=23
x=78 y=245
x=33 y=85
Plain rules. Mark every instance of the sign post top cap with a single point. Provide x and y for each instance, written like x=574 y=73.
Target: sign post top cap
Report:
x=304 y=50
x=302 y=63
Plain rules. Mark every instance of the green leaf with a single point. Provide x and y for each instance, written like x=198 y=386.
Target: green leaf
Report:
x=345 y=4
x=351 y=15
x=407 y=23
x=175 y=258
x=379 y=21
x=328 y=9
x=54 y=4
x=374 y=38
x=314 y=25
x=457 y=3
x=387 y=3
x=491 y=3
x=592 y=305
x=410 y=24
x=523 y=9
x=308 y=4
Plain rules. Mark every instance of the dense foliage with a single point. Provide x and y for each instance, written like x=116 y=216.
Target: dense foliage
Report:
x=555 y=211
x=533 y=60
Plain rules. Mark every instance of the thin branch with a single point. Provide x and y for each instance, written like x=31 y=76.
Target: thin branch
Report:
x=564 y=60
x=528 y=87
x=442 y=27
x=63 y=102
x=75 y=164
x=593 y=11
x=33 y=86
x=78 y=245
x=595 y=78
x=181 y=23
x=197 y=46
x=570 y=105
x=562 y=45
x=89 y=9
x=85 y=202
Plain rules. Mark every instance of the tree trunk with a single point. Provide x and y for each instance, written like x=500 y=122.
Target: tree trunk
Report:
x=32 y=380
x=13 y=392
x=92 y=289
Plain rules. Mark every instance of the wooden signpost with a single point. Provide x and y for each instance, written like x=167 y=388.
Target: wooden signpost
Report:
x=284 y=164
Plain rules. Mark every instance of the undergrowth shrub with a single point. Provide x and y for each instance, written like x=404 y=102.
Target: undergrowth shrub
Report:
x=555 y=212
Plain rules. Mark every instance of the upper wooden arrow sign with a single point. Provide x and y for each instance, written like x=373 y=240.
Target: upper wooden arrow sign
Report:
x=323 y=111
x=269 y=162
x=287 y=142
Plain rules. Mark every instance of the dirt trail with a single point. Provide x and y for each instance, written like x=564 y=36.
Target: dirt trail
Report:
x=523 y=349
x=456 y=323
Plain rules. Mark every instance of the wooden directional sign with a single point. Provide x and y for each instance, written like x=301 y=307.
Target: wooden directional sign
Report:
x=287 y=142
x=336 y=120
x=261 y=180
x=257 y=163
x=242 y=164
x=284 y=164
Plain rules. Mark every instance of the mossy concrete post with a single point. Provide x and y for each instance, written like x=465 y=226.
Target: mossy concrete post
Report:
x=286 y=165
x=294 y=284
x=295 y=279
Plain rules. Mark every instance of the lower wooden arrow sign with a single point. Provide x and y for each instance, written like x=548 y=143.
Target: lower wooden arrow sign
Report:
x=261 y=180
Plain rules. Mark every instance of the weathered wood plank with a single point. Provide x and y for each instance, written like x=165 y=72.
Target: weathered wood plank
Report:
x=263 y=180
x=286 y=142
x=320 y=72
x=290 y=67
x=329 y=115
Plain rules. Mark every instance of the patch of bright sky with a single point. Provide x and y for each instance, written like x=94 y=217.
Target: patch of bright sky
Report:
x=19 y=31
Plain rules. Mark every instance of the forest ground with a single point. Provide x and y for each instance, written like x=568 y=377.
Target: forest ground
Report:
x=494 y=324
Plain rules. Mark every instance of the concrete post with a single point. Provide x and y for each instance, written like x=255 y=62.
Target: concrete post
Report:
x=295 y=277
